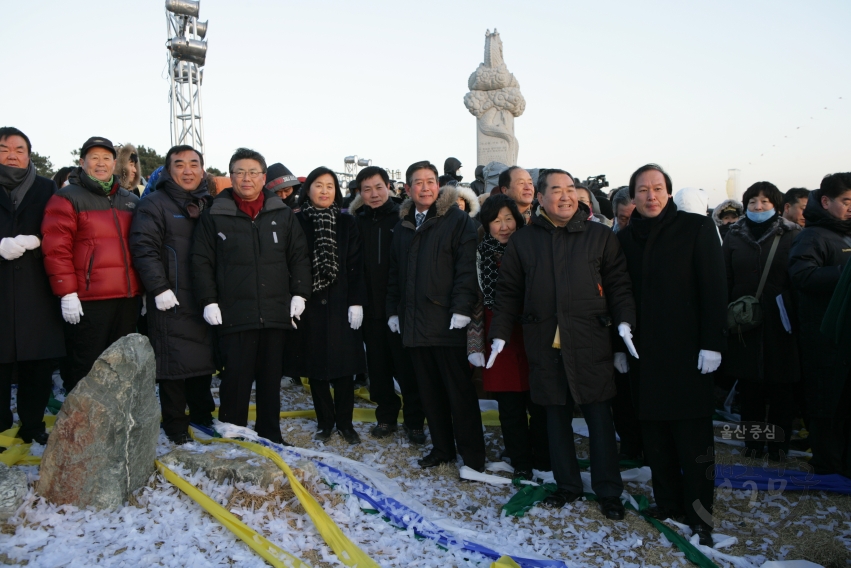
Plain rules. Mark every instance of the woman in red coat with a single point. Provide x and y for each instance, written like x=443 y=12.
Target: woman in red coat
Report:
x=525 y=439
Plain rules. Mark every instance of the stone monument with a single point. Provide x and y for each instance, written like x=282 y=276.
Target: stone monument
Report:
x=495 y=100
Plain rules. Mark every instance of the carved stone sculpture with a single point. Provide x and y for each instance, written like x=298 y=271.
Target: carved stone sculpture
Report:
x=495 y=100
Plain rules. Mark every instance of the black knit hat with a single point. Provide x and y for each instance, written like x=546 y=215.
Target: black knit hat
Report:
x=97 y=142
x=279 y=177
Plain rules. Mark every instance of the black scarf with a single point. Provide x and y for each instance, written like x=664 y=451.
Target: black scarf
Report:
x=759 y=229
x=17 y=181
x=641 y=226
x=325 y=263
x=199 y=197
x=489 y=257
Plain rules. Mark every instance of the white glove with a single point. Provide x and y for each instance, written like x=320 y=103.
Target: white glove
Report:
x=29 y=242
x=212 y=314
x=167 y=300
x=625 y=331
x=10 y=249
x=476 y=359
x=72 y=309
x=458 y=321
x=496 y=348
x=393 y=324
x=144 y=304
x=708 y=361
x=621 y=364
x=355 y=316
x=296 y=307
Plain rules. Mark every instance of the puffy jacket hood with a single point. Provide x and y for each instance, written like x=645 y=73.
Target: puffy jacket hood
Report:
x=121 y=167
x=471 y=199
x=692 y=200
x=716 y=213
x=447 y=198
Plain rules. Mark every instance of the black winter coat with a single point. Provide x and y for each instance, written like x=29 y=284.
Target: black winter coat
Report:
x=680 y=288
x=161 y=243
x=768 y=353
x=818 y=256
x=30 y=316
x=251 y=268
x=574 y=278
x=325 y=346
x=433 y=272
x=376 y=228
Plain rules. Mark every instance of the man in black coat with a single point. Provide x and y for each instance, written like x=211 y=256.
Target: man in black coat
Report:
x=680 y=288
x=431 y=293
x=386 y=357
x=818 y=256
x=160 y=242
x=251 y=272
x=568 y=330
x=31 y=335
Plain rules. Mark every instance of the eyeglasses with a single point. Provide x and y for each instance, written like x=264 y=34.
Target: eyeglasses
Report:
x=253 y=174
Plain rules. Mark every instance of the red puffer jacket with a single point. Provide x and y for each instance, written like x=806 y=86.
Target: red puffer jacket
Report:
x=84 y=241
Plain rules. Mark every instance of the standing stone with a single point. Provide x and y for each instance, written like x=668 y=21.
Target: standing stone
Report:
x=104 y=443
x=495 y=100
x=13 y=489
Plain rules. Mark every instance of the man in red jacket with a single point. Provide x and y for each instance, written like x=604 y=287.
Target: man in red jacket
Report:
x=87 y=258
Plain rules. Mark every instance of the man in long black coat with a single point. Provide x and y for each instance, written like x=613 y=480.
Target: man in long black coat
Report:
x=680 y=287
x=160 y=242
x=431 y=293
x=564 y=277
x=31 y=334
x=251 y=272
x=386 y=357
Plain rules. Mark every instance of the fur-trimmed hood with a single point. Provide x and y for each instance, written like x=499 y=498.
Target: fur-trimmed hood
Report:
x=716 y=213
x=471 y=199
x=356 y=204
x=446 y=199
x=123 y=156
x=781 y=225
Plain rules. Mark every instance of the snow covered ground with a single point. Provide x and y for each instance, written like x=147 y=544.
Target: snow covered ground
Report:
x=163 y=527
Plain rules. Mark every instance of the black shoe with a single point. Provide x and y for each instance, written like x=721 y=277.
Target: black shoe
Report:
x=704 y=534
x=416 y=436
x=323 y=434
x=525 y=474
x=205 y=421
x=612 y=508
x=40 y=438
x=431 y=461
x=662 y=514
x=350 y=435
x=560 y=498
x=383 y=430
x=180 y=439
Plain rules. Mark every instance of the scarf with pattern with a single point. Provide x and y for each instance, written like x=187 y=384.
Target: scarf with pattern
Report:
x=490 y=255
x=326 y=265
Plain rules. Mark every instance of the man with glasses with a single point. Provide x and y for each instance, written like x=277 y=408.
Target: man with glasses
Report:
x=251 y=271
x=160 y=241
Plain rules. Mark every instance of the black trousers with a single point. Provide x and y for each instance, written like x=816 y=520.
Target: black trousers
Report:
x=252 y=356
x=35 y=383
x=780 y=398
x=387 y=358
x=177 y=394
x=336 y=410
x=450 y=403
x=681 y=457
x=830 y=437
x=605 y=474
x=627 y=424
x=525 y=436
x=103 y=323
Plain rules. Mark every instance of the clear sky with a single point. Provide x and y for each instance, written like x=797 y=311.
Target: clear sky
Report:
x=699 y=87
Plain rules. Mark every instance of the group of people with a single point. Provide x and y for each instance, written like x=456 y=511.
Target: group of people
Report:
x=562 y=297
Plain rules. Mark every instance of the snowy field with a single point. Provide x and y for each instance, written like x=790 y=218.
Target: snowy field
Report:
x=161 y=526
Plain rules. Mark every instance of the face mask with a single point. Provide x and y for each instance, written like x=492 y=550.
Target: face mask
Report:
x=760 y=216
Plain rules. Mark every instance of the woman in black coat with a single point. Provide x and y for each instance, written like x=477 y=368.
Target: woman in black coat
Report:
x=764 y=360
x=161 y=242
x=816 y=261
x=327 y=346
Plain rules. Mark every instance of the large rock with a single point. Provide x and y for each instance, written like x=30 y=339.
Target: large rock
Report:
x=103 y=445
x=13 y=489
x=226 y=463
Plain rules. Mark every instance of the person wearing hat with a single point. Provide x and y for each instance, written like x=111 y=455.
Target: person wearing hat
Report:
x=282 y=181
x=30 y=324
x=451 y=169
x=87 y=258
x=725 y=214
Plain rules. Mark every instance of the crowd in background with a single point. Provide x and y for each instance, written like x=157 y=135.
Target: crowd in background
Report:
x=635 y=306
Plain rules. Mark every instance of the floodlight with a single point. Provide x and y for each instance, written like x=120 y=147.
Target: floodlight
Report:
x=363 y=162
x=183 y=7
x=350 y=159
x=201 y=28
x=192 y=50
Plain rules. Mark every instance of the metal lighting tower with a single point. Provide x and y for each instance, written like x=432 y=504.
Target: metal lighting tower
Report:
x=186 y=56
